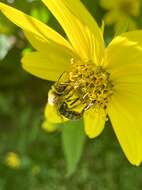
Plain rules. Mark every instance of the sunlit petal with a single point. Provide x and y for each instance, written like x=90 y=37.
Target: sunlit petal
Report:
x=127 y=125
x=45 y=64
x=123 y=55
x=52 y=114
x=32 y=25
x=94 y=122
x=84 y=34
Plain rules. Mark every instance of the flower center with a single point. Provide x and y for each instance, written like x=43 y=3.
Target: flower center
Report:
x=82 y=87
x=91 y=83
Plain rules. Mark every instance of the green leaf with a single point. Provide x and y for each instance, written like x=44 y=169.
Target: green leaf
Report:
x=73 y=138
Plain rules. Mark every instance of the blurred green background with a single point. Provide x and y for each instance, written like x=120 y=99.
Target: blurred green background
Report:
x=32 y=158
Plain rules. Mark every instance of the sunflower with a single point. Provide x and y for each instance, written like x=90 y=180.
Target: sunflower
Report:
x=106 y=81
x=120 y=12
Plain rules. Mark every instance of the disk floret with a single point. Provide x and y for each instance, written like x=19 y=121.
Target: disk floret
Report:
x=91 y=83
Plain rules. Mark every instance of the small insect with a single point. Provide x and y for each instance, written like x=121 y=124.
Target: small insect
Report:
x=61 y=103
x=61 y=96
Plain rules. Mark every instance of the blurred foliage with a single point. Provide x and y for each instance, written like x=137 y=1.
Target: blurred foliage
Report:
x=73 y=138
x=39 y=155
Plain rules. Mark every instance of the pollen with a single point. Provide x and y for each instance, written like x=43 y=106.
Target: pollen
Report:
x=90 y=86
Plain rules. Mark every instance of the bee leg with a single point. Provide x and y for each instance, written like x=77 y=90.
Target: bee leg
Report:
x=74 y=101
x=68 y=94
x=88 y=106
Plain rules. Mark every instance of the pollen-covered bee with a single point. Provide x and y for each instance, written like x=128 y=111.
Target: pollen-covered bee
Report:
x=62 y=96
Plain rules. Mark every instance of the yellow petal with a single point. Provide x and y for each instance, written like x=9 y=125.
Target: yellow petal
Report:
x=134 y=36
x=80 y=27
x=37 y=42
x=123 y=55
x=128 y=128
x=52 y=115
x=43 y=45
x=32 y=25
x=45 y=64
x=130 y=96
x=94 y=121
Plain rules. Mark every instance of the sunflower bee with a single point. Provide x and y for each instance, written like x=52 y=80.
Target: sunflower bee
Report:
x=61 y=96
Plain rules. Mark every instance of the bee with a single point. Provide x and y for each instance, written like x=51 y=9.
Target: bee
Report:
x=70 y=97
x=66 y=112
x=61 y=96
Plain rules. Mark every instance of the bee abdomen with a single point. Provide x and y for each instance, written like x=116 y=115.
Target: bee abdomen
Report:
x=69 y=114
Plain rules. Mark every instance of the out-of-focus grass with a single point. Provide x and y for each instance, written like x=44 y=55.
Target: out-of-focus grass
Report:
x=22 y=99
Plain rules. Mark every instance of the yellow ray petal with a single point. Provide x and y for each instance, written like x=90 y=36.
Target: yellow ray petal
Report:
x=129 y=75
x=45 y=64
x=80 y=31
x=52 y=115
x=32 y=25
x=130 y=91
x=37 y=42
x=134 y=36
x=128 y=129
x=94 y=122
x=121 y=53
x=129 y=86
x=131 y=101
x=43 y=45
x=124 y=56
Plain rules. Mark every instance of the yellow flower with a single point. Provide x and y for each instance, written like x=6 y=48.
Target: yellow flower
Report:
x=13 y=160
x=102 y=80
x=120 y=12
